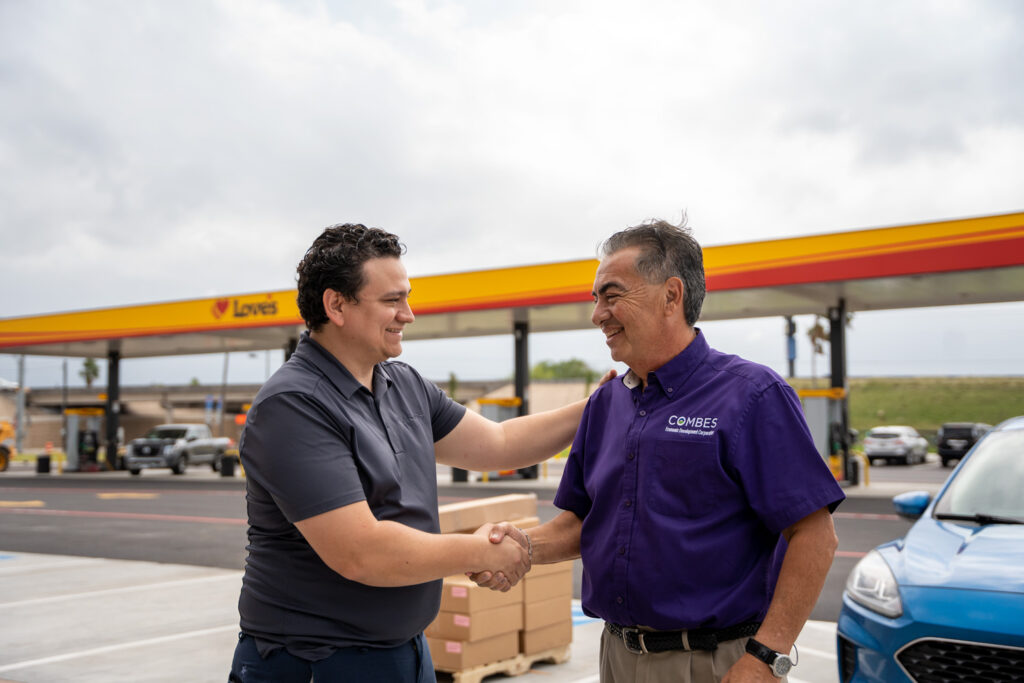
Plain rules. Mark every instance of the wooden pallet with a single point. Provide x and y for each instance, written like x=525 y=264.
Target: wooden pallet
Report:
x=514 y=666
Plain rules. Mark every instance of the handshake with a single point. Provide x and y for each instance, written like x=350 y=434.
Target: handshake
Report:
x=509 y=557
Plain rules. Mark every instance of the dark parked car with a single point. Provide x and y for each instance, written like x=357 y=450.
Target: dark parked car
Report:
x=956 y=438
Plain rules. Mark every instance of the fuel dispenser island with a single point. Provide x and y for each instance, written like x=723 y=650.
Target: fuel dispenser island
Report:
x=82 y=439
x=825 y=412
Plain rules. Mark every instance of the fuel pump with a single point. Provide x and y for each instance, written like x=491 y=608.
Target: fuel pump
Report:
x=82 y=439
x=825 y=414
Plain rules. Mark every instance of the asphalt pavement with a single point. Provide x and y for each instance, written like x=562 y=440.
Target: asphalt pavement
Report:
x=95 y=620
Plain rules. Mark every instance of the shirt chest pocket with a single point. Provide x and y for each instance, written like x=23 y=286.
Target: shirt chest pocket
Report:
x=408 y=433
x=686 y=478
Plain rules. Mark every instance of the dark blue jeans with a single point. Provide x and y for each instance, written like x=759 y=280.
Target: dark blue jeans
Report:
x=408 y=663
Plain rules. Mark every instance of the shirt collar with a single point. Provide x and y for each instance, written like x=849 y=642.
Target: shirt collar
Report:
x=673 y=374
x=311 y=351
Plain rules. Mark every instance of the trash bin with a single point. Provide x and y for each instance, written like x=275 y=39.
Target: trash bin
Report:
x=42 y=464
x=530 y=472
x=459 y=474
x=227 y=466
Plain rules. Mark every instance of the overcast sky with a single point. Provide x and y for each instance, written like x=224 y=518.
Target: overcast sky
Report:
x=154 y=151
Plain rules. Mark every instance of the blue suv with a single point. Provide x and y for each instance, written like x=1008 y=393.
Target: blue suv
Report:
x=946 y=602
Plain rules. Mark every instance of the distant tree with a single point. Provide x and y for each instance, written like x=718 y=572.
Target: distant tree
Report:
x=453 y=385
x=574 y=368
x=194 y=382
x=89 y=372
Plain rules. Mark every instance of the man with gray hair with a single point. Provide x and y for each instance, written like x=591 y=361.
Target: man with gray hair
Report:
x=693 y=491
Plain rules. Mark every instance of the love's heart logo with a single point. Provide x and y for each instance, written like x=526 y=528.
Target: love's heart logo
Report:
x=218 y=308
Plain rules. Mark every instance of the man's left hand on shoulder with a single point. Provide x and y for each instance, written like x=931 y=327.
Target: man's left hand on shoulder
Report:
x=749 y=669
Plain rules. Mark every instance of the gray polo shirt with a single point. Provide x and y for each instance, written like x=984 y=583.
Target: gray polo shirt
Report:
x=316 y=440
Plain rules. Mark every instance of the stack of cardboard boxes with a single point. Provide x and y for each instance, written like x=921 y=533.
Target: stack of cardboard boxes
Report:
x=477 y=626
x=547 y=608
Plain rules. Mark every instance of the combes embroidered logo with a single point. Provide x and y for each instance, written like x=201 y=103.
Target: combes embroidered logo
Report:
x=683 y=424
x=698 y=422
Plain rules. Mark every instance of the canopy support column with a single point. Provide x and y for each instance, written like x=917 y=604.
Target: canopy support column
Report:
x=522 y=375
x=839 y=432
x=19 y=411
x=113 y=407
x=791 y=345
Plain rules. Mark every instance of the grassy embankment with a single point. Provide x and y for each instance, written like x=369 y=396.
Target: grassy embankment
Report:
x=926 y=402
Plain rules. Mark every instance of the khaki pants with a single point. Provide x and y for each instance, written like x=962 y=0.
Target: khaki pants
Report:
x=619 y=665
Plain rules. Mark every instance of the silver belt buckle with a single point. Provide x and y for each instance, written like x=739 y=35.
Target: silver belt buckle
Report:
x=639 y=638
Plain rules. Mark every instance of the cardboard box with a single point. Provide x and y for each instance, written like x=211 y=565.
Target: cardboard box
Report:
x=545 y=638
x=456 y=655
x=469 y=515
x=477 y=625
x=546 y=586
x=524 y=522
x=459 y=594
x=546 y=612
x=545 y=569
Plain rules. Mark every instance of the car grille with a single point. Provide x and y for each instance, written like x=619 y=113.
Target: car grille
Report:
x=847 y=659
x=946 y=661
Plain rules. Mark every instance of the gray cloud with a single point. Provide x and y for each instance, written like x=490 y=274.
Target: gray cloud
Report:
x=154 y=152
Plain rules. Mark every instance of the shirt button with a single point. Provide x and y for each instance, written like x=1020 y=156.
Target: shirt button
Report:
x=630 y=456
x=618 y=599
x=628 y=503
x=669 y=390
x=642 y=413
x=622 y=550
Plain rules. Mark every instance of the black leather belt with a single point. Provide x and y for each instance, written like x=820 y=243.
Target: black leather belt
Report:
x=641 y=642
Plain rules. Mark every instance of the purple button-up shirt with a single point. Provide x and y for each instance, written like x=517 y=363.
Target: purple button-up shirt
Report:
x=684 y=488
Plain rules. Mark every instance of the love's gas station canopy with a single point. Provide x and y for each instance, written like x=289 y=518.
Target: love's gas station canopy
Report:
x=974 y=260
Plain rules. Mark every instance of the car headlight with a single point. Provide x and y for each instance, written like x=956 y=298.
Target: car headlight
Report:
x=872 y=584
x=168 y=448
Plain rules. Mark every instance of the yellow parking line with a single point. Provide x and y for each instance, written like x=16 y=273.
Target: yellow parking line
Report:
x=22 y=504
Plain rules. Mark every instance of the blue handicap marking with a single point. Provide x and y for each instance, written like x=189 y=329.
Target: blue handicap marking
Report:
x=578 y=617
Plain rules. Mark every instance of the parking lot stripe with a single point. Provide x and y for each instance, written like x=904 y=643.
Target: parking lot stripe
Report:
x=125 y=515
x=817 y=653
x=866 y=515
x=235 y=576
x=114 y=648
x=821 y=625
x=32 y=567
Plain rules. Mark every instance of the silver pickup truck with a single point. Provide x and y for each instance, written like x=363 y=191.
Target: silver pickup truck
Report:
x=176 y=446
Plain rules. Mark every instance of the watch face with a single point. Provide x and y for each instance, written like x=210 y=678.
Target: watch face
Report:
x=782 y=666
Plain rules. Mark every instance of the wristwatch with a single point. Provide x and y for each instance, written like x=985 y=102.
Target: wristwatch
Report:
x=779 y=663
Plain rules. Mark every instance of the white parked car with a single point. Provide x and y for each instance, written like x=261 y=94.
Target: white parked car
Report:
x=895 y=443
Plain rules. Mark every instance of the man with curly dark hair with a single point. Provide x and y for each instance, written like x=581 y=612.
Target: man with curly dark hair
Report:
x=340 y=449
